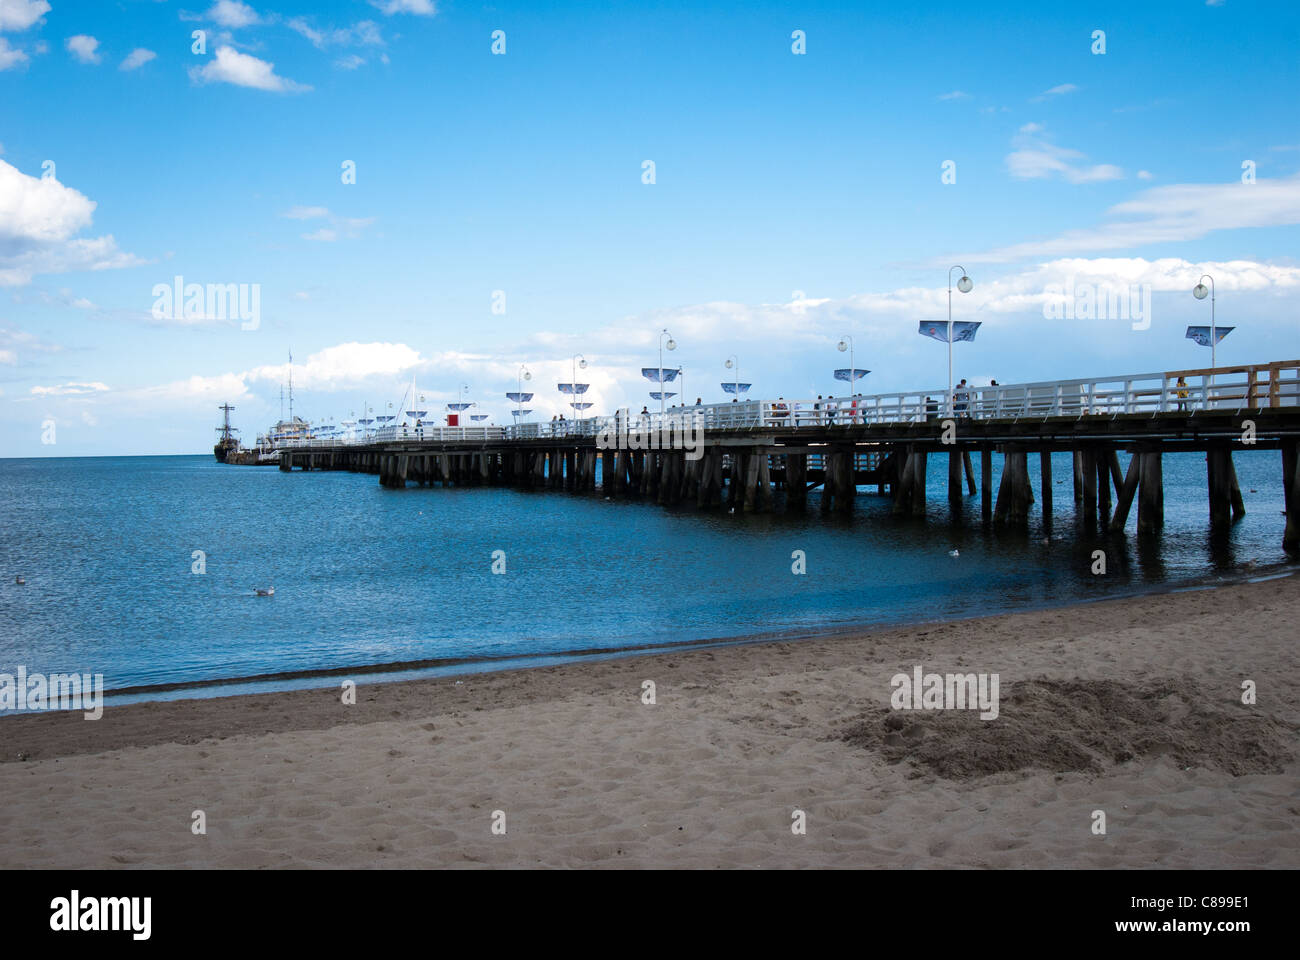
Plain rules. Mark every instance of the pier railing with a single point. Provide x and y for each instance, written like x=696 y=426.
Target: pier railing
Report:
x=1223 y=389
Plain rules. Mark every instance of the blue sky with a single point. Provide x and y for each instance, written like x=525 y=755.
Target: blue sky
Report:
x=796 y=198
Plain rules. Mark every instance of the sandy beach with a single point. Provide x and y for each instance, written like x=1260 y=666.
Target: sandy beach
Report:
x=1132 y=707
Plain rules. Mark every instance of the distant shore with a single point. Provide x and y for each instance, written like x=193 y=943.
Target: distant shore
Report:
x=1129 y=706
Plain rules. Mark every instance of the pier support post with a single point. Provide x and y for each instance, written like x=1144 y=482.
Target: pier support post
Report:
x=846 y=483
x=1126 y=491
x=796 y=481
x=920 y=459
x=1088 y=462
x=970 y=472
x=1045 y=474
x=1014 y=494
x=1291 y=495
x=954 y=475
x=1078 y=477
x=1234 y=490
x=1217 y=464
x=1103 y=487
x=1151 y=493
x=902 y=485
x=986 y=483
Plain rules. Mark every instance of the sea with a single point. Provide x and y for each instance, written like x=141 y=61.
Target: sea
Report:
x=144 y=569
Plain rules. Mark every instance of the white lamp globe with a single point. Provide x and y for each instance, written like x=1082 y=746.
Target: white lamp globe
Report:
x=1200 y=291
x=728 y=364
x=527 y=375
x=671 y=344
x=965 y=284
x=841 y=346
x=582 y=364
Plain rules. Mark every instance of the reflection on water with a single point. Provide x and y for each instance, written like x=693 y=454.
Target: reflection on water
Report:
x=364 y=575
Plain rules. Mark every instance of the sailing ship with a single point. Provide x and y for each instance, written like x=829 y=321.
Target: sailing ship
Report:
x=227 y=443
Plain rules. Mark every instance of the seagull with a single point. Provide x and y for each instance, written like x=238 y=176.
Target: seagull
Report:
x=268 y=592
x=19 y=580
x=953 y=552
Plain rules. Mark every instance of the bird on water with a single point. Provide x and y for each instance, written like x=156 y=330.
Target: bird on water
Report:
x=268 y=592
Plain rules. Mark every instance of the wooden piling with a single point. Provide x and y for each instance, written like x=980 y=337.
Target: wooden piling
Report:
x=1045 y=474
x=1291 y=494
x=1126 y=491
x=1014 y=494
x=920 y=458
x=954 y=475
x=970 y=472
x=986 y=483
x=1217 y=479
x=1151 y=493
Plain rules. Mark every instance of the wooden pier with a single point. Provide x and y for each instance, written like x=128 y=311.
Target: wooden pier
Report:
x=760 y=456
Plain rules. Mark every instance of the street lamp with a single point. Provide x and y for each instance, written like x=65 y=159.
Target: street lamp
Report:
x=733 y=363
x=1199 y=291
x=964 y=285
x=579 y=361
x=671 y=345
x=521 y=375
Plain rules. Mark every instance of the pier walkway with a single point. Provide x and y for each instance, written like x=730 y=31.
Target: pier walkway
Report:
x=756 y=455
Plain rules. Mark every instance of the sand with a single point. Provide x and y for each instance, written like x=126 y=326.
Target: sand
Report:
x=1131 y=707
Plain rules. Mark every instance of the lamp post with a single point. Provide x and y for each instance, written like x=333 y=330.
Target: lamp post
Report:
x=578 y=361
x=1199 y=291
x=521 y=375
x=672 y=345
x=964 y=285
x=733 y=363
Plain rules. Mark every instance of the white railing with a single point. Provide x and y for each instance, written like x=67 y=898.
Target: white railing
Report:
x=1226 y=389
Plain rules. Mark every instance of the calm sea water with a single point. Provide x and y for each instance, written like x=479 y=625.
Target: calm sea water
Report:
x=367 y=576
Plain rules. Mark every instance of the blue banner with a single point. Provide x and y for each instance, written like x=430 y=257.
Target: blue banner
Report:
x=519 y=397
x=1202 y=334
x=573 y=387
x=653 y=374
x=656 y=395
x=734 y=387
x=938 y=329
x=858 y=373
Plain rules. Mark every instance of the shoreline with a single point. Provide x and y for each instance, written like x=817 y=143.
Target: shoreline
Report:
x=430 y=668
x=1131 y=706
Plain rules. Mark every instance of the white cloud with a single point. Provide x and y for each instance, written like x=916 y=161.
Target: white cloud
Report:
x=137 y=58
x=39 y=209
x=21 y=14
x=1171 y=214
x=83 y=47
x=242 y=70
x=306 y=213
x=338 y=226
x=350 y=62
x=424 y=8
x=70 y=390
x=38 y=219
x=1144 y=174
x=1056 y=91
x=363 y=33
x=1036 y=158
x=342 y=366
x=10 y=57
x=955 y=95
x=233 y=14
x=8 y=357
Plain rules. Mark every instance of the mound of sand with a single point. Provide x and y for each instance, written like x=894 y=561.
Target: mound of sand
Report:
x=1080 y=725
